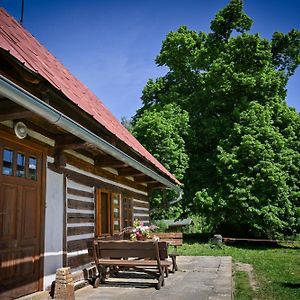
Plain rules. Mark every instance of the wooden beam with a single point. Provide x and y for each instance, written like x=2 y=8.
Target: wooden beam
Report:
x=144 y=178
x=91 y=181
x=70 y=142
x=108 y=161
x=128 y=171
x=28 y=75
x=7 y=106
x=9 y=68
x=73 y=146
x=16 y=114
x=59 y=159
x=44 y=130
x=32 y=120
x=44 y=88
x=156 y=185
x=67 y=139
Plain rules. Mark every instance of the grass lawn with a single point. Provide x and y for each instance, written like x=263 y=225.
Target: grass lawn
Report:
x=277 y=270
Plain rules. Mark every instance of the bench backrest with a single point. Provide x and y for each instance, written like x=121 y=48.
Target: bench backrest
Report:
x=175 y=238
x=90 y=243
x=128 y=249
x=169 y=235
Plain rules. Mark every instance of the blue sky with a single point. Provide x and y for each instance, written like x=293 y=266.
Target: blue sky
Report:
x=111 y=45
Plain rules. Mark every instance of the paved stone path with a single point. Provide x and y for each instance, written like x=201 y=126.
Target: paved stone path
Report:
x=198 y=277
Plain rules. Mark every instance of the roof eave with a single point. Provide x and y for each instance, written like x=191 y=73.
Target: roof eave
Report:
x=31 y=102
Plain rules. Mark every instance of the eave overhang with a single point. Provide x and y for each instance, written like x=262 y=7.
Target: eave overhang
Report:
x=25 y=99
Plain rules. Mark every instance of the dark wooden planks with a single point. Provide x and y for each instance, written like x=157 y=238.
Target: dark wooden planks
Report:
x=78 y=245
x=141 y=204
x=140 y=211
x=80 y=218
x=79 y=260
x=80 y=230
x=81 y=193
x=77 y=204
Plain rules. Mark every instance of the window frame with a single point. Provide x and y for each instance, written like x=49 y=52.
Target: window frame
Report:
x=127 y=211
x=27 y=161
x=25 y=164
x=119 y=207
x=125 y=208
x=13 y=162
x=98 y=225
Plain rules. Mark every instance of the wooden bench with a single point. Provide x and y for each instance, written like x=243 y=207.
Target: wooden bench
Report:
x=173 y=239
x=148 y=256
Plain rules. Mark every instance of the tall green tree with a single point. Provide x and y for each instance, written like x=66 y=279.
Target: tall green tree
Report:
x=258 y=165
x=162 y=131
x=220 y=78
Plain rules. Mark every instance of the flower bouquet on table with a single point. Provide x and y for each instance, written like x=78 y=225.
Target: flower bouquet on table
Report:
x=139 y=231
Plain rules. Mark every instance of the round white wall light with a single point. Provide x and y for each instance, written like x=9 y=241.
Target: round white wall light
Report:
x=20 y=130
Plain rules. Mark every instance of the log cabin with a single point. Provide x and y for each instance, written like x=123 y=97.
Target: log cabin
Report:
x=69 y=171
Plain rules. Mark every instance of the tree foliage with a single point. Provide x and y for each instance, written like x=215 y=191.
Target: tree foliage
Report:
x=242 y=144
x=258 y=165
x=162 y=131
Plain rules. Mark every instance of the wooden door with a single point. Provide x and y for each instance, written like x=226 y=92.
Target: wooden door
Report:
x=21 y=219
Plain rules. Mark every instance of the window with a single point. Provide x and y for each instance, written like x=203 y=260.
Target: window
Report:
x=109 y=213
x=116 y=213
x=32 y=168
x=20 y=165
x=103 y=215
x=7 y=165
x=127 y=212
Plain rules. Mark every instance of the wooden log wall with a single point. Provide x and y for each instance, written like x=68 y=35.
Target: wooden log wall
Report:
x=141 y=210
x=80 y=216
x=80 y=221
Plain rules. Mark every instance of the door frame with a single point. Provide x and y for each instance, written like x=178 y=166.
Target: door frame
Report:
x=9 y=136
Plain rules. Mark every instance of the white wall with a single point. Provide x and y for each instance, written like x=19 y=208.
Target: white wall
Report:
x=53 y=226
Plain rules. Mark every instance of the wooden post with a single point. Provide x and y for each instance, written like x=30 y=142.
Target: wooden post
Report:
x=64 y=285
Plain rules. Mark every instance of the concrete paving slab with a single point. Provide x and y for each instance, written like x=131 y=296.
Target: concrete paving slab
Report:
x=198 y=277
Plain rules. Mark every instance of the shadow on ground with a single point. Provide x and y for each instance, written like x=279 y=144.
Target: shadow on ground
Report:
x=291 y=285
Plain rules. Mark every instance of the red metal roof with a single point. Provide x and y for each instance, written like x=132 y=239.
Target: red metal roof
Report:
x=25 y=48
